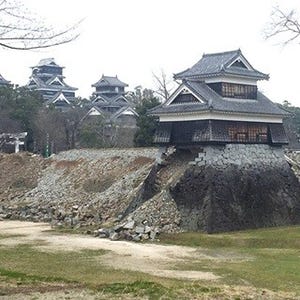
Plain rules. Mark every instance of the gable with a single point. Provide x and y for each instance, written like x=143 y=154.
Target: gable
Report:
x=56 y=82
x=184 y=95
x=240 y=62
x=104 y=82
x=99 y=99
x=129 y=112
x=121 y=100
x=32 y=82
x=94 y=112
x=61 y=98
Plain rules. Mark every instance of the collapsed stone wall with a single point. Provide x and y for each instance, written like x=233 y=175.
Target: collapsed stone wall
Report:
x=212 y=188
x=237 y=186
x=73 y=188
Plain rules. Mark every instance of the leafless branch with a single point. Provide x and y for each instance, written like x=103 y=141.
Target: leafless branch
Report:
x=162 y=83
x=284 y=26
x=21 y=30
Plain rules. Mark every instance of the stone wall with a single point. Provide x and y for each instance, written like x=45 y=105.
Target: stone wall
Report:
x=243 y=155
x=237 y=186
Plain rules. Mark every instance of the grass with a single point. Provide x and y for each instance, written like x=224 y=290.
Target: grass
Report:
x=271 y=256
x=24 y=265
x=264 y=259
x=7 y=236
x=281 y=238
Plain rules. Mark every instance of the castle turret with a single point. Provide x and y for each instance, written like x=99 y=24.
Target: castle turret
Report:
x=218 y=102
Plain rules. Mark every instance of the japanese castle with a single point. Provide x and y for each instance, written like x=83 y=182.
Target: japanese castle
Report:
x=218 y=102
x=47 y=78
x=109 y=100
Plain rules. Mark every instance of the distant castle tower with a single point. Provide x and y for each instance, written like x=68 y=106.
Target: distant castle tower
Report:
x=109 y=99
x=47 y=78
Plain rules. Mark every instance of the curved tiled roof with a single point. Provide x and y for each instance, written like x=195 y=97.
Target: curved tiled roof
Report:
x=214 y=102
x=47 y=62
x=40 y=84
x=109 y=81
x=216 y=64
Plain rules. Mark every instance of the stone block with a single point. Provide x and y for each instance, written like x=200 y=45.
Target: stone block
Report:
x=114 y=236
x=147 y=229
x=129 y=225
x=139 y=229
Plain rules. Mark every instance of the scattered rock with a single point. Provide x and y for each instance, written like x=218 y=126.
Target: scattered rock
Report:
x=139 y=229
x=114 y=236
x=129 y=225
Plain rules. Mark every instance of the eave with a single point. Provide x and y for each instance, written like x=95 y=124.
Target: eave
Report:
x=222 y=73
x=219 y=115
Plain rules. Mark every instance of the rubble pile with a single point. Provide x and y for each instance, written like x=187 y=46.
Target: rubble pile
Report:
x=92 y=188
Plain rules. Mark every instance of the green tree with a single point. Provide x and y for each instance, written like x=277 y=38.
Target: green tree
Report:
x=146 y=124
x=19 y=107
x=91 y=134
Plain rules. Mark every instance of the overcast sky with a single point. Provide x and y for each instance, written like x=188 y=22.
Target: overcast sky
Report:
x=133 y=38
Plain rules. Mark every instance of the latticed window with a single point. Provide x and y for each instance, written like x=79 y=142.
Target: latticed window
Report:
x=251 y=133
x=241 y=91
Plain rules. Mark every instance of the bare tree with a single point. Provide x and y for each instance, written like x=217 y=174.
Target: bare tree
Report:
x=22 y=30
x=283 y=25
x=163 y=85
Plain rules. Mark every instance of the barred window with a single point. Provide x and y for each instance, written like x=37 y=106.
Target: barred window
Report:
x=252 y=133
x=241 y=91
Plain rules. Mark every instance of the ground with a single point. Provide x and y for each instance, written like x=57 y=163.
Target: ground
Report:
x=149 y=258
x=41 y=263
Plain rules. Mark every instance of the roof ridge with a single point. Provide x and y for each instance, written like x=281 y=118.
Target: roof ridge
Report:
x=221 y=53
x=109 y=76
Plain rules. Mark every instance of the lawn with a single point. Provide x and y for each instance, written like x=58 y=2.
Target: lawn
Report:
x=248 y=262
x=265 y=258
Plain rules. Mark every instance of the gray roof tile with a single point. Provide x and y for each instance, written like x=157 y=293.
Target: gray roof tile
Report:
x=47 y=62
x=43 y=85
x=214 y=102
x=109 y=80
x=218 y=64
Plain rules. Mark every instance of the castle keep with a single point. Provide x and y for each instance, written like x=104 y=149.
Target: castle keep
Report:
x=47 y=78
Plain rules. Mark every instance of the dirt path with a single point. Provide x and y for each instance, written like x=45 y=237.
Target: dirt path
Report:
x=149 y=258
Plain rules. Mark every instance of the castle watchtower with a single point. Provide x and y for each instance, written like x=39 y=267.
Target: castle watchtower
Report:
x=218 y=102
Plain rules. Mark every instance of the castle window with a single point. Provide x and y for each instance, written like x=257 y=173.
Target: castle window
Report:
x=248 y=132
x=240 y=91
